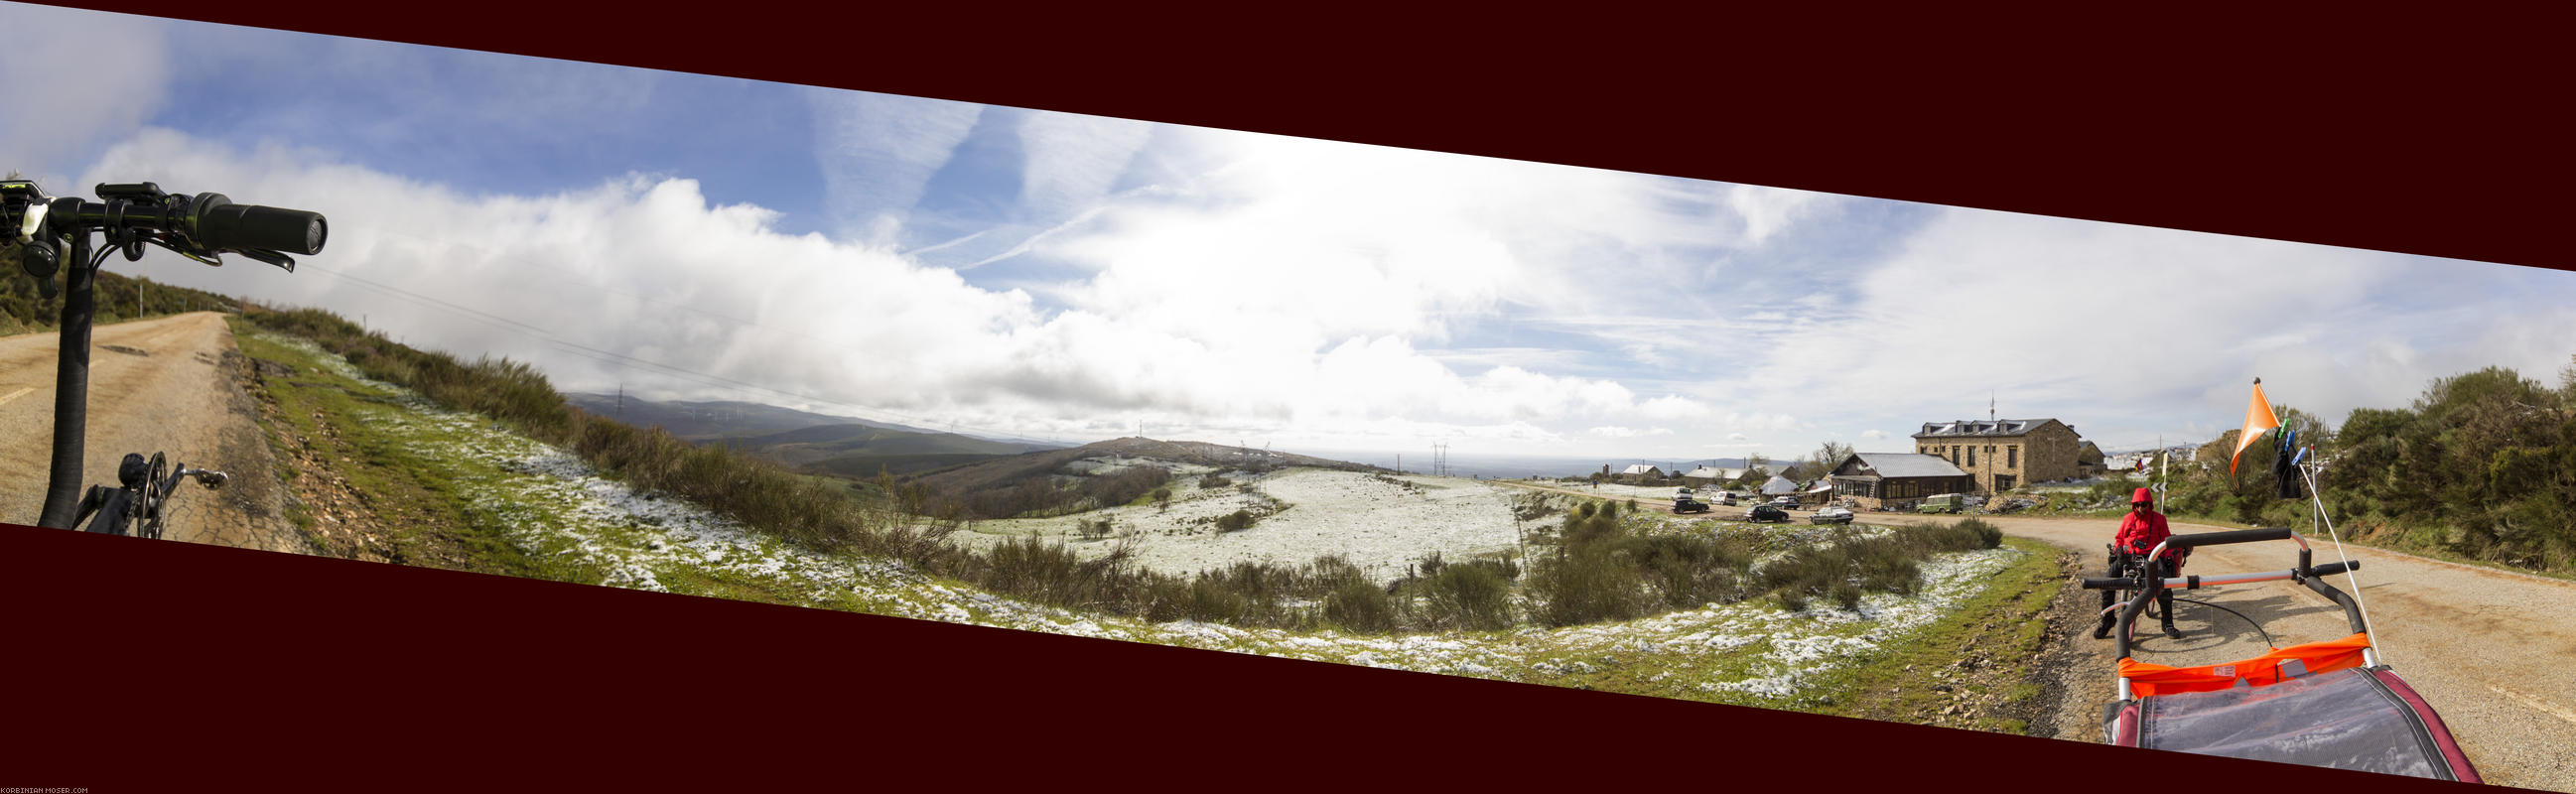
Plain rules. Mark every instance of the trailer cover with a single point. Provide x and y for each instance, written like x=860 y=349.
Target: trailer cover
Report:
x=2364 y=719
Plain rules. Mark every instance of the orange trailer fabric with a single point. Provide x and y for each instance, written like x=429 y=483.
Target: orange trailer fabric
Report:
x=2148 y=680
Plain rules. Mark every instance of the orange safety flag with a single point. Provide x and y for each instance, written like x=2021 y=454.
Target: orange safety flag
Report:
x=2258 y=420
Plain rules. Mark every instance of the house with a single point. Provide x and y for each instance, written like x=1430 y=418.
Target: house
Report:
x=1894 y=479
x=1638 y=473
x=2002 y=454
x=1778 y=486
x=1820 y=492
x=1709 y=475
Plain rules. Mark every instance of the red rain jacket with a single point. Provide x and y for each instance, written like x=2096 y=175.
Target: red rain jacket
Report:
x=2140 y=535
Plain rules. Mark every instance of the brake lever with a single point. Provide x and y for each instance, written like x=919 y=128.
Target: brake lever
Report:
x=271 y=257
x=209 y=259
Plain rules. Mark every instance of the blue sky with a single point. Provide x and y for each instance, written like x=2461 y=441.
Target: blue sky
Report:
x=1060 y=276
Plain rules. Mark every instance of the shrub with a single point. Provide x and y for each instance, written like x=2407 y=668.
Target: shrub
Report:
x=1469 y=596
x=1586 y=585
x=1847 y=595
x=1360 y=607
x=1210 y=601
x=1237 y=520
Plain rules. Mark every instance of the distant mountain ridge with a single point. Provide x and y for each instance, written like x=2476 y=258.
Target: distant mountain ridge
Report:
x=701 y=420
x=1011 y=470
x=812 y=443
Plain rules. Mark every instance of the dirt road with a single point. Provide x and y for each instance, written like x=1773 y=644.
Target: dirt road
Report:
x=165 y=384
x=2490 y=649
x=2493 y=651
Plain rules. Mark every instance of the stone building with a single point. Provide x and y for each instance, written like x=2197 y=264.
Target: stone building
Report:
x=2003 y=454
x=1894 y=479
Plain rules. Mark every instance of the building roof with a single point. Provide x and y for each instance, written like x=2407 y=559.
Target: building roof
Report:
x=1779 y=485
x=1715 y=473
x=1905 y=464
x=1983 y=427
x=1639 y=468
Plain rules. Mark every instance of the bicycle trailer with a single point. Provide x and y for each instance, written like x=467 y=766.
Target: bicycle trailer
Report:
x=2329 y=703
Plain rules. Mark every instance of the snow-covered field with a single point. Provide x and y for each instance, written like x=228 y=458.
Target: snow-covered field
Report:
x=554 y=506
x=1378 y=525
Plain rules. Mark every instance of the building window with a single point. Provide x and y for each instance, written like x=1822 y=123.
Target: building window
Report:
x=2012 y=455
x=1972 y=456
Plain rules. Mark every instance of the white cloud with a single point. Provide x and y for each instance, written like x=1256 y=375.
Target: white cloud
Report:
x=645 y=267
x=1767 y=210
x=1073 y=161
x=1613 y=432
x=878 y=152
x=2118 y=329
x=73 y=80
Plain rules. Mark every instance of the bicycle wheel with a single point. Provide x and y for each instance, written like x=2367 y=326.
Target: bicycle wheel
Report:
x=155 y=494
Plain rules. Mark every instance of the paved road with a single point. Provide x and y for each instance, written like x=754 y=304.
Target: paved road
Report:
x=162 y=384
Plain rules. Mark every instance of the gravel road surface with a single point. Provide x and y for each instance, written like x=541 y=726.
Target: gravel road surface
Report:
x=166 y=384
x=2492 y=650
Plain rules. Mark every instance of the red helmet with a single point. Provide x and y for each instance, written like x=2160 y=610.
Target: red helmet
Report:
x=2144 y=496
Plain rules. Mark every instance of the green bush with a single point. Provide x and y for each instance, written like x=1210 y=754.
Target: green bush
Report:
x=1360 y=607
x=1587 y=585
x=1237 y=520
x=1474 y=596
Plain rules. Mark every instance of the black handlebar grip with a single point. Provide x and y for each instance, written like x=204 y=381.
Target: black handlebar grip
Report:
x=2098 y=583
x=224 y=226
x=2222 y=538
x=2332 y=568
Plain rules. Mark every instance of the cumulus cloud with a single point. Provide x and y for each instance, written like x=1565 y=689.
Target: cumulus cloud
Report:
x=588 y=282
x=1231 y=284
x=2123 y=329
x=122 y=66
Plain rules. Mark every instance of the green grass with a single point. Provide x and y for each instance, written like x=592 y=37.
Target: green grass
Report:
x=2003 y=625
x=361 y=435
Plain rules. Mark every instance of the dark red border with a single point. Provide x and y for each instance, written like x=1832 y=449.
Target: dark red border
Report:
x=137 y=665
x=161 y=666
x=2415 y=134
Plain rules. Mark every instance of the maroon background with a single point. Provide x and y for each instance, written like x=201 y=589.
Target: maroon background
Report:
x=135 y=665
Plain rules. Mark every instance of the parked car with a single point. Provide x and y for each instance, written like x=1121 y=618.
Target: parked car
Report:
x=1724 y=497
x=1831 y=515
x=1944 y=503
x=1765 y=512
x=1684 y=504
x=1784 y=502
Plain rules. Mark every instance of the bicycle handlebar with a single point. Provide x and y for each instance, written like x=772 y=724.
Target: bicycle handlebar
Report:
x=53 y=236
x=193 y=224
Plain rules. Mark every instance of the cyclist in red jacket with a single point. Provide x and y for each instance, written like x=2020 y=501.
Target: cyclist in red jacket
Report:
x=2140 y=531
